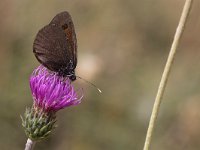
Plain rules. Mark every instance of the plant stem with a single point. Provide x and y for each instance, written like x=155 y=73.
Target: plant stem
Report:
x=165 y=75
x=30 y=144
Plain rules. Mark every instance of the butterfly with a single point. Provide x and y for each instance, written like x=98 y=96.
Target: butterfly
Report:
x=55 y=46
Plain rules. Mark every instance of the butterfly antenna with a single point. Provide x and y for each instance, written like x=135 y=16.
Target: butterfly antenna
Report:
x=90 y=84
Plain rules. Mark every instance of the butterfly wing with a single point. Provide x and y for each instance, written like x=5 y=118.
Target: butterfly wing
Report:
x=51 y=49
x=64 y=21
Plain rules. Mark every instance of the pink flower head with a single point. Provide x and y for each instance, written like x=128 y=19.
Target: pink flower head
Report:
x=52 y=92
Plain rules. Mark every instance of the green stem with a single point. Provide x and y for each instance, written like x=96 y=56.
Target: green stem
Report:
x=165 y=75
x=30 y=144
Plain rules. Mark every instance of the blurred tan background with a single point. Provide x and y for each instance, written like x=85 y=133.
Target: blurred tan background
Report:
x=122 y=48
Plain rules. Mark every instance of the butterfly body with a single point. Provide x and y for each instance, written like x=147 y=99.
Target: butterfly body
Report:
x=55 y=46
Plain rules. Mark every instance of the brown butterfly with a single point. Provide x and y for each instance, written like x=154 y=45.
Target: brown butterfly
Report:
x=55 y=46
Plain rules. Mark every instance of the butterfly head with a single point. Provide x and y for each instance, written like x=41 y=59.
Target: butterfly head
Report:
x=72 y=77
x=67 y=72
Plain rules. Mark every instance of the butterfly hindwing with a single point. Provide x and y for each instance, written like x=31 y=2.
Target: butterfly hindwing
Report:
x=50 y=48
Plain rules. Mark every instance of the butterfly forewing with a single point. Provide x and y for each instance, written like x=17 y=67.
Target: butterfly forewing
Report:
x=55 y=45
x=64 y=21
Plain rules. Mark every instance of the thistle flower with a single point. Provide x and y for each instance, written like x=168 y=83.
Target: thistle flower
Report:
x=50 y=93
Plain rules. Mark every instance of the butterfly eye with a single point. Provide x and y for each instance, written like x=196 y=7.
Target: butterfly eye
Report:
x=65 y=26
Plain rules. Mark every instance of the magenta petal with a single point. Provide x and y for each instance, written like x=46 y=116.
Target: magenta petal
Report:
x=52 y=92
